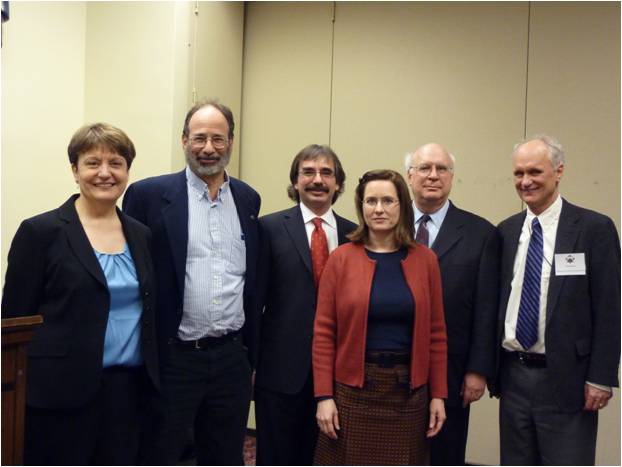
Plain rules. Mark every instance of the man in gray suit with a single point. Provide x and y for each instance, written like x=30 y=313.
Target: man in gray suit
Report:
x=558 y=330
x=294 y=245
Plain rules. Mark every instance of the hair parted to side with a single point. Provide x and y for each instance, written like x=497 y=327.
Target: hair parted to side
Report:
x=223 y=109
x=100 y=136
x=404 y=227
x=312 y=152
x=556 y=150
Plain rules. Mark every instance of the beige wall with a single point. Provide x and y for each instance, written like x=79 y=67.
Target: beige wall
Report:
x=377 y=79
x=42 y=105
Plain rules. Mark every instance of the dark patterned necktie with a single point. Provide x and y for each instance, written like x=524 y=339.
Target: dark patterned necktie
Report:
x=423 y=236
x=319 y=250
x=529 y=310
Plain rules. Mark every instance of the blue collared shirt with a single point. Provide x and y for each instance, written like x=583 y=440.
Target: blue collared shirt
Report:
x=122 y=341
x=215 y=263
x=435 y=222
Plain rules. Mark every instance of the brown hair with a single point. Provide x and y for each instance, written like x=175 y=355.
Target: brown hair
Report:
x=223 y=109
x=101 y=135
x=313 y=151
x=404 y=227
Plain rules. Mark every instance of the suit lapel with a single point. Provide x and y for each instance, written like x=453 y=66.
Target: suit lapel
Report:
x=175 y=217
x=79 y=242
x=295 y=227
x=450 y=232
x=565 y=240
x=342 y=229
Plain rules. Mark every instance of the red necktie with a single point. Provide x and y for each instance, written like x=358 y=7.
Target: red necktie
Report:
x=319 y=250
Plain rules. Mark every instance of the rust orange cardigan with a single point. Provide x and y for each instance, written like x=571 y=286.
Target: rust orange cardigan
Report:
x=340 y=329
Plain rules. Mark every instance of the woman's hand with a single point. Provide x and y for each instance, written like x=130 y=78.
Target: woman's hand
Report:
x=437 y=417
x=328 y=418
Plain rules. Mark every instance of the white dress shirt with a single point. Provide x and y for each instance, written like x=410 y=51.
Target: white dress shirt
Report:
x=329 y=224
x=549 y=220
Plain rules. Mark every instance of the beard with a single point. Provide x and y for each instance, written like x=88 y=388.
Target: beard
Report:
x=207 y=171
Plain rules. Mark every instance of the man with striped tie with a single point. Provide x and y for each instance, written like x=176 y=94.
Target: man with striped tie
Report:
x=559 y=317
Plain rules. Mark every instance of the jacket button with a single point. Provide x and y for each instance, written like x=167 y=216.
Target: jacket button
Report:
x=146 y=294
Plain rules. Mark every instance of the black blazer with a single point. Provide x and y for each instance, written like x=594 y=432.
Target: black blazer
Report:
x=467 y=248
x=53 y=271
x=289 y=298
x=161 y=203
x=582 y=335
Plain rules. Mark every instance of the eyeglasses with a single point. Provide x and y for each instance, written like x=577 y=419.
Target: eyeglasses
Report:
x=426 y=169
x=311 y=173
x=199 y=141
x=386 y=201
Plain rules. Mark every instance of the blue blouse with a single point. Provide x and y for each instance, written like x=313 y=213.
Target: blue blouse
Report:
x=122 y=342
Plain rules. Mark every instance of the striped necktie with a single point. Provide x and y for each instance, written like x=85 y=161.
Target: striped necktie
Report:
x=529 y=310
x=423 y=236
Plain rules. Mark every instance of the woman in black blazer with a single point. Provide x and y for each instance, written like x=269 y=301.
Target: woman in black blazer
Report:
x=85 y=267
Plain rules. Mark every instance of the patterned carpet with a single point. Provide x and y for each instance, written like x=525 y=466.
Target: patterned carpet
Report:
x=250 y=456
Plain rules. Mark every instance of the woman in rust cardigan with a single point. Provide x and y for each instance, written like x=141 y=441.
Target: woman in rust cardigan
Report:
x=379 y=346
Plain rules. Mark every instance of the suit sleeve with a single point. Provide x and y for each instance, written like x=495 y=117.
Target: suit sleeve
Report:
x=24 y=281
x=604 y=282
x=325 y=330
x=482 y=348
x=438 y=334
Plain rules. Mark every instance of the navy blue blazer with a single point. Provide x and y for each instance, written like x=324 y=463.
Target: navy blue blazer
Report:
x=161 y=203
x=467 y=247
x=582 y=334
x=288 y=299
x=53 y=271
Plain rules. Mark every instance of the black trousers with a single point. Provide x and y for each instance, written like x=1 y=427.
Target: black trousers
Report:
x=286 y=427
x=207 y=392
x=107 y=431
x=448 y=447
x=533 y=429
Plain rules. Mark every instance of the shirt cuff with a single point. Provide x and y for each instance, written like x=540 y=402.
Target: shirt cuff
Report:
x=599 y=386
x=322 y=398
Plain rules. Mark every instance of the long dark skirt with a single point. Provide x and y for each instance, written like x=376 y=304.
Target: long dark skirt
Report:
x=383 y=423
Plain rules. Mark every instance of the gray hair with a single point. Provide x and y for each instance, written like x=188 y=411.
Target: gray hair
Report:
x=556 y=151
x=408 y=159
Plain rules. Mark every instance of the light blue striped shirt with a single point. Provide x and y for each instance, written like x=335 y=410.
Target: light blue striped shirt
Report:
x=215 y=263
x=435 y=222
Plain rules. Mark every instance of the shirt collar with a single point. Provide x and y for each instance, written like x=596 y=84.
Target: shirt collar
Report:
x=436 y=217
x=549 y=216
x=200 y=188
x=328 y=217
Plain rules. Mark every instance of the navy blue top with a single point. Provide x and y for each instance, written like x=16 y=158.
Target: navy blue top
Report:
x=391 y=304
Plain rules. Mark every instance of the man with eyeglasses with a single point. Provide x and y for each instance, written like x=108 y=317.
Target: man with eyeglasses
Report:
x=467 y=249
x=204 y=248
x=295 y=244
x=558 y=333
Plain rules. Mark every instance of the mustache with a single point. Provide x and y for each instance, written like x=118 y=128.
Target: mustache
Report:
x=321 y=188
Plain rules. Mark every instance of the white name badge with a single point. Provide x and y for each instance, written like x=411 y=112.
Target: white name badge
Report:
x=570 y=264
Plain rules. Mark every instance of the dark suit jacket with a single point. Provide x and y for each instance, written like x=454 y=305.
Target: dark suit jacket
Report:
x=582 y=335
x=162 y=204
x=467 y=248
x=53 y=271
x=289 y=297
